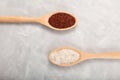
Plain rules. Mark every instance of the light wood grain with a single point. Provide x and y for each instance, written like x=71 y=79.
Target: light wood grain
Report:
x=41 y=20
x=84 y=56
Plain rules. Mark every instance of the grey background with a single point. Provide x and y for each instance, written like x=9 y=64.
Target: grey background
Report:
x=24 y=47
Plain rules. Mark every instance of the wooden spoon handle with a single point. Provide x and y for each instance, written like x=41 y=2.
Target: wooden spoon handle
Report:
x=16 y=19
x=111 y=55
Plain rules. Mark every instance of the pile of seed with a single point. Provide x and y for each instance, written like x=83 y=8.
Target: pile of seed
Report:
x=65 y=56
x=61 y=20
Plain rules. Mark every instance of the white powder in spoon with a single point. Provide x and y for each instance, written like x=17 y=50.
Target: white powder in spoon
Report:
x=65 y=56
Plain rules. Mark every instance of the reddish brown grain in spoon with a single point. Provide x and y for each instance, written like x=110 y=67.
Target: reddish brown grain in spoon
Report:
x=59 y=20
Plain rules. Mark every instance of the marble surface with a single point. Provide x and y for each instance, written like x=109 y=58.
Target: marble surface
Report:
x=24 y=48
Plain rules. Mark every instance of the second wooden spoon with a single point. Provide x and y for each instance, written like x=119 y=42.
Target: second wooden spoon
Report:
x=83 y=56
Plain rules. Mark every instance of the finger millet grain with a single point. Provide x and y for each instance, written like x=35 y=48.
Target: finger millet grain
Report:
x=61 y=20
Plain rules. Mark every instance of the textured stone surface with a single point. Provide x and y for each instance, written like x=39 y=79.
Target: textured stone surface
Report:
x=24 y=47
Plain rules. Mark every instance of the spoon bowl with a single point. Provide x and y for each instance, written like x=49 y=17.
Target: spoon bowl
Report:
x=83 y=56
x=44 y=20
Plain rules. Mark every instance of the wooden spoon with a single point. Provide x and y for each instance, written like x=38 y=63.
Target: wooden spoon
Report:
x=42 y=20
x=84 y=56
